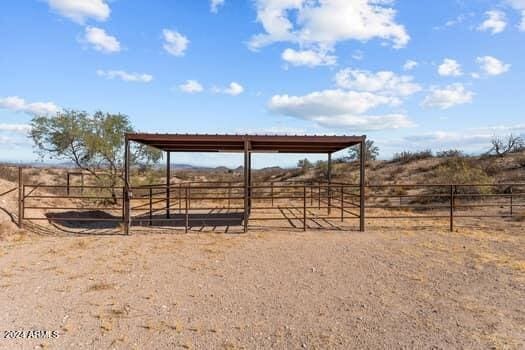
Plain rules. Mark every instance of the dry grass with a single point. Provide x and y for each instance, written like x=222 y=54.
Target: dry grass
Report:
x=101 y=286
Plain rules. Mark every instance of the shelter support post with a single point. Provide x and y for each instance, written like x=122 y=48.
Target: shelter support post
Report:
x=362 y=159
x=304 y=206
x=126 y=196
x=246 y=183
x=250 y=189
x=168 y=183
x=329 y=179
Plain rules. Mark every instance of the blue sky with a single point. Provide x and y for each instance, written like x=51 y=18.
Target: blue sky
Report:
x=409 y=74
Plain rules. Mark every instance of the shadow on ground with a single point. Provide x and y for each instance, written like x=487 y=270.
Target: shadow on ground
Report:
x=95 y=219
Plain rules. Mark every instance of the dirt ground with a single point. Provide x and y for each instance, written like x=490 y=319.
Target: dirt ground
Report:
x=400 y=288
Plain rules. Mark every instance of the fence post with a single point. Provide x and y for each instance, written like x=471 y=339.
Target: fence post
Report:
x=342 y=203
x=319 y=195
x=329 y=199
x=272 y=192
x=511 y=204
x=124 y=211
x=67 y=183
x=180 y=197
x=451 y=208
x=150 y=206
x=189 y=195
x=229 y=194
x=311 y=194
x=186 y=216
x=304 y=206
x=21 y=194
x=82 y=183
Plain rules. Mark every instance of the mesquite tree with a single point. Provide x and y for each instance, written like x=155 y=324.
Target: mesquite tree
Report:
x=371 y=152
x=94 y=143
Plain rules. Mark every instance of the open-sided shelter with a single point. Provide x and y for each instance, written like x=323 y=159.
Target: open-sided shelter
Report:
x=247 y=144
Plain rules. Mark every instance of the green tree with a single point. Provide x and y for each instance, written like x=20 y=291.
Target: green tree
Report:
x=94 y=143
x=371 y=152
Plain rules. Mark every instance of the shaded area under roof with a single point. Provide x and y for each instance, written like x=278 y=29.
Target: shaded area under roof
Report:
x=236 y=143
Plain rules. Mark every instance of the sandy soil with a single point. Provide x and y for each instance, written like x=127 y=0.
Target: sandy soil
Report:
x=387 y=288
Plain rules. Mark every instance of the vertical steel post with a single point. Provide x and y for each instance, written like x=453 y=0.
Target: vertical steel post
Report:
x=451 y=208
x=362 y=193
x=319 y=195
x=511 y=204
x=271 y=189
x=250 y=182
x=304 y=206
x=21 y=194
x=180 y=198
x=123 y=205
x=329 y=173
x=67 y=183
x=150 y=206
x=126 y=196
x=229 y=194
x=246 y=150
x=168 y=183
x=342 y=203
x=186 y=213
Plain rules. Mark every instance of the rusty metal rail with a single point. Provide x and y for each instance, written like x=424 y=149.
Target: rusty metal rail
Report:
x=187 y=205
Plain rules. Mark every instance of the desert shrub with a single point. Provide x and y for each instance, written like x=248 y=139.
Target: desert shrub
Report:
x=461 y=171
x=521 y=162
x=9 y=173
x=450 y=153
x=371 y=152
x=409 y=156
x=457 y=171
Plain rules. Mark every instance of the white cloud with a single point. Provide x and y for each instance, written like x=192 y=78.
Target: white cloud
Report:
x=233 y=89
x=324 y=23
x=382 y=82
x=339 y=108
x=496 y=22
x=449 y=67
x=447 y=97
x=80 y=10
x=308 y=58
x=520 y=6
x=409 y=65
x=16 y=128
x=101 y=41
x=215 y=4
x=358 y=55
x=18 y=104
x=125 y=76
x=492 y=66
x=191 y=87
x=175 y=43
x=474 y=140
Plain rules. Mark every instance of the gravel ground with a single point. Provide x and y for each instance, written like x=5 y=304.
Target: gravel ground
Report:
x=387 y=288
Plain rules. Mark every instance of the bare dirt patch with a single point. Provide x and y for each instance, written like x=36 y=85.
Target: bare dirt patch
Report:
x=396 y=288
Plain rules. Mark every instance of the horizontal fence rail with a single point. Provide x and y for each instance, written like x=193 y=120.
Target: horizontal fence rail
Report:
x=301 y=204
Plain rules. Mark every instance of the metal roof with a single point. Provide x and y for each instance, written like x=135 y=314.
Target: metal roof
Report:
x=236 y=143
